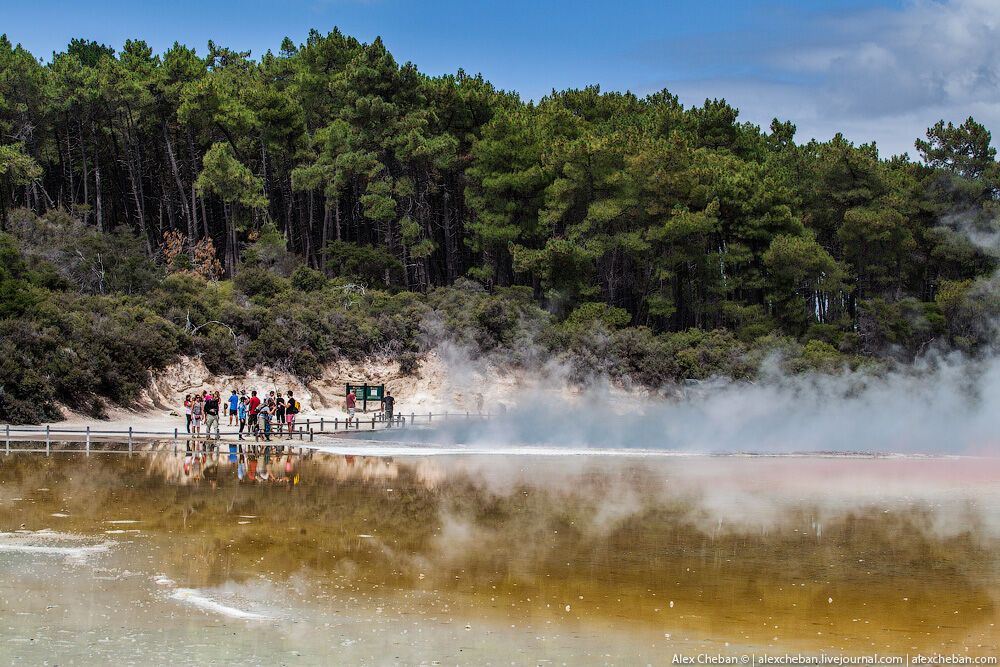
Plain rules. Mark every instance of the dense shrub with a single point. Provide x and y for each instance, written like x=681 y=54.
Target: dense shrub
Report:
x=903 y=328
x=255 y=281
x=307 y=280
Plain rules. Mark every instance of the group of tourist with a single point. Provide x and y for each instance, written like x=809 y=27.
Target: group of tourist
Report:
x=273 y=414
x=260 y=417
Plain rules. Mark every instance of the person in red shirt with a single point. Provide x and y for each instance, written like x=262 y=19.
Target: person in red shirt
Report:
x=252 y=408
x=352 y=404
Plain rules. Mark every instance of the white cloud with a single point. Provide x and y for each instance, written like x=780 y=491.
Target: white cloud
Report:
x=883 y=75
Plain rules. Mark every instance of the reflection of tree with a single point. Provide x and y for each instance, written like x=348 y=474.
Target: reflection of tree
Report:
x=609 y=535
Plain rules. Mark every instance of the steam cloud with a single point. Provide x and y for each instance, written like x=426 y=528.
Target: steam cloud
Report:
x=944 y=405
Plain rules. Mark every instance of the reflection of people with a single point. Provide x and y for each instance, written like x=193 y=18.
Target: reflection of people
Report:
x=211 y=473
x=388 y=402
x=352 y=404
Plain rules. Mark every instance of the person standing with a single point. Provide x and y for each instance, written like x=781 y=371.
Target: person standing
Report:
x=279 y=413
x=253 y=405
x=212 y=414
x=264 y=414
x=241 y=412
x=388 y=406
x=197 y=412
x=291 y=410
x=352 y=405
x=234 y=403
x=187 y=410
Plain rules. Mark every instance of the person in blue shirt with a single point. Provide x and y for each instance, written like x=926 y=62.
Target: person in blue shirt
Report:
x=234 y=402
x=241 y=412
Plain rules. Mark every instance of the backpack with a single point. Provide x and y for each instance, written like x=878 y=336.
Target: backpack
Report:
x=298 y=406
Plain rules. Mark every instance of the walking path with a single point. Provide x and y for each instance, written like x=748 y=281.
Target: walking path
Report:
x=157 y=429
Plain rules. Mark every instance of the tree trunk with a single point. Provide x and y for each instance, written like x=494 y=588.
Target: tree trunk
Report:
x=326 y=229
x=86 y=184
x=449 y=248
x=69 y=160
x=98 y=209
x=193 y=156
x=336 y=217
x=191 y=228
x=230 y=240
x=307 y=234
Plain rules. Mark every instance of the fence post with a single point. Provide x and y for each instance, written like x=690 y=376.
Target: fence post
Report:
x=412 y=418
x=8 y=438
x=336 y=422
x=48 y=441
x=88 y=440
x=321 y=425
x=373 y=422
x=430 y=417
x=307 y=424
x=310 y=435
x=129 y=439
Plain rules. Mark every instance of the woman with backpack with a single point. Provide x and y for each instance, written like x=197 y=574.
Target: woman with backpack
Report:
x=197 y=414
x=264 y=414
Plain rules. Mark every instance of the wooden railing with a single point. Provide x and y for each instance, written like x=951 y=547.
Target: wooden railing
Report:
x=303 y=430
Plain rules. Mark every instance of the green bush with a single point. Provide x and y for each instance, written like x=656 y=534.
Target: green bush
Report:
x=305 y=279
x=254 y=281
x=595 y=311
x=901 y=328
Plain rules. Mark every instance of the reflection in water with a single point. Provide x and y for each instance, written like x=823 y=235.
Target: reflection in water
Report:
x=252 y=463
x=622 y=557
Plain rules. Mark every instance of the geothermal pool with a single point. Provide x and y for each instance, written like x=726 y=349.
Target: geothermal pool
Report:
x=164 y=557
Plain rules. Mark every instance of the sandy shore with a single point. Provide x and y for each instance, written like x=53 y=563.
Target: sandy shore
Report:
x=438 y=386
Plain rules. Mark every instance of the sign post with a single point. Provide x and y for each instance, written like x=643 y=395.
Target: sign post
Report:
x=366 y=392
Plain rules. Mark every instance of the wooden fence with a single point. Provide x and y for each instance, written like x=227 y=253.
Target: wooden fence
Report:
x=304 y=430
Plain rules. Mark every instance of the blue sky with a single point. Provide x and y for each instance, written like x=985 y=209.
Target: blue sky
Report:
x=880 y=70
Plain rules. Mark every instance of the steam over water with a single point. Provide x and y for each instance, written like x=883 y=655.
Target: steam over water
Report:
x=945 y=405
x=469 y=559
